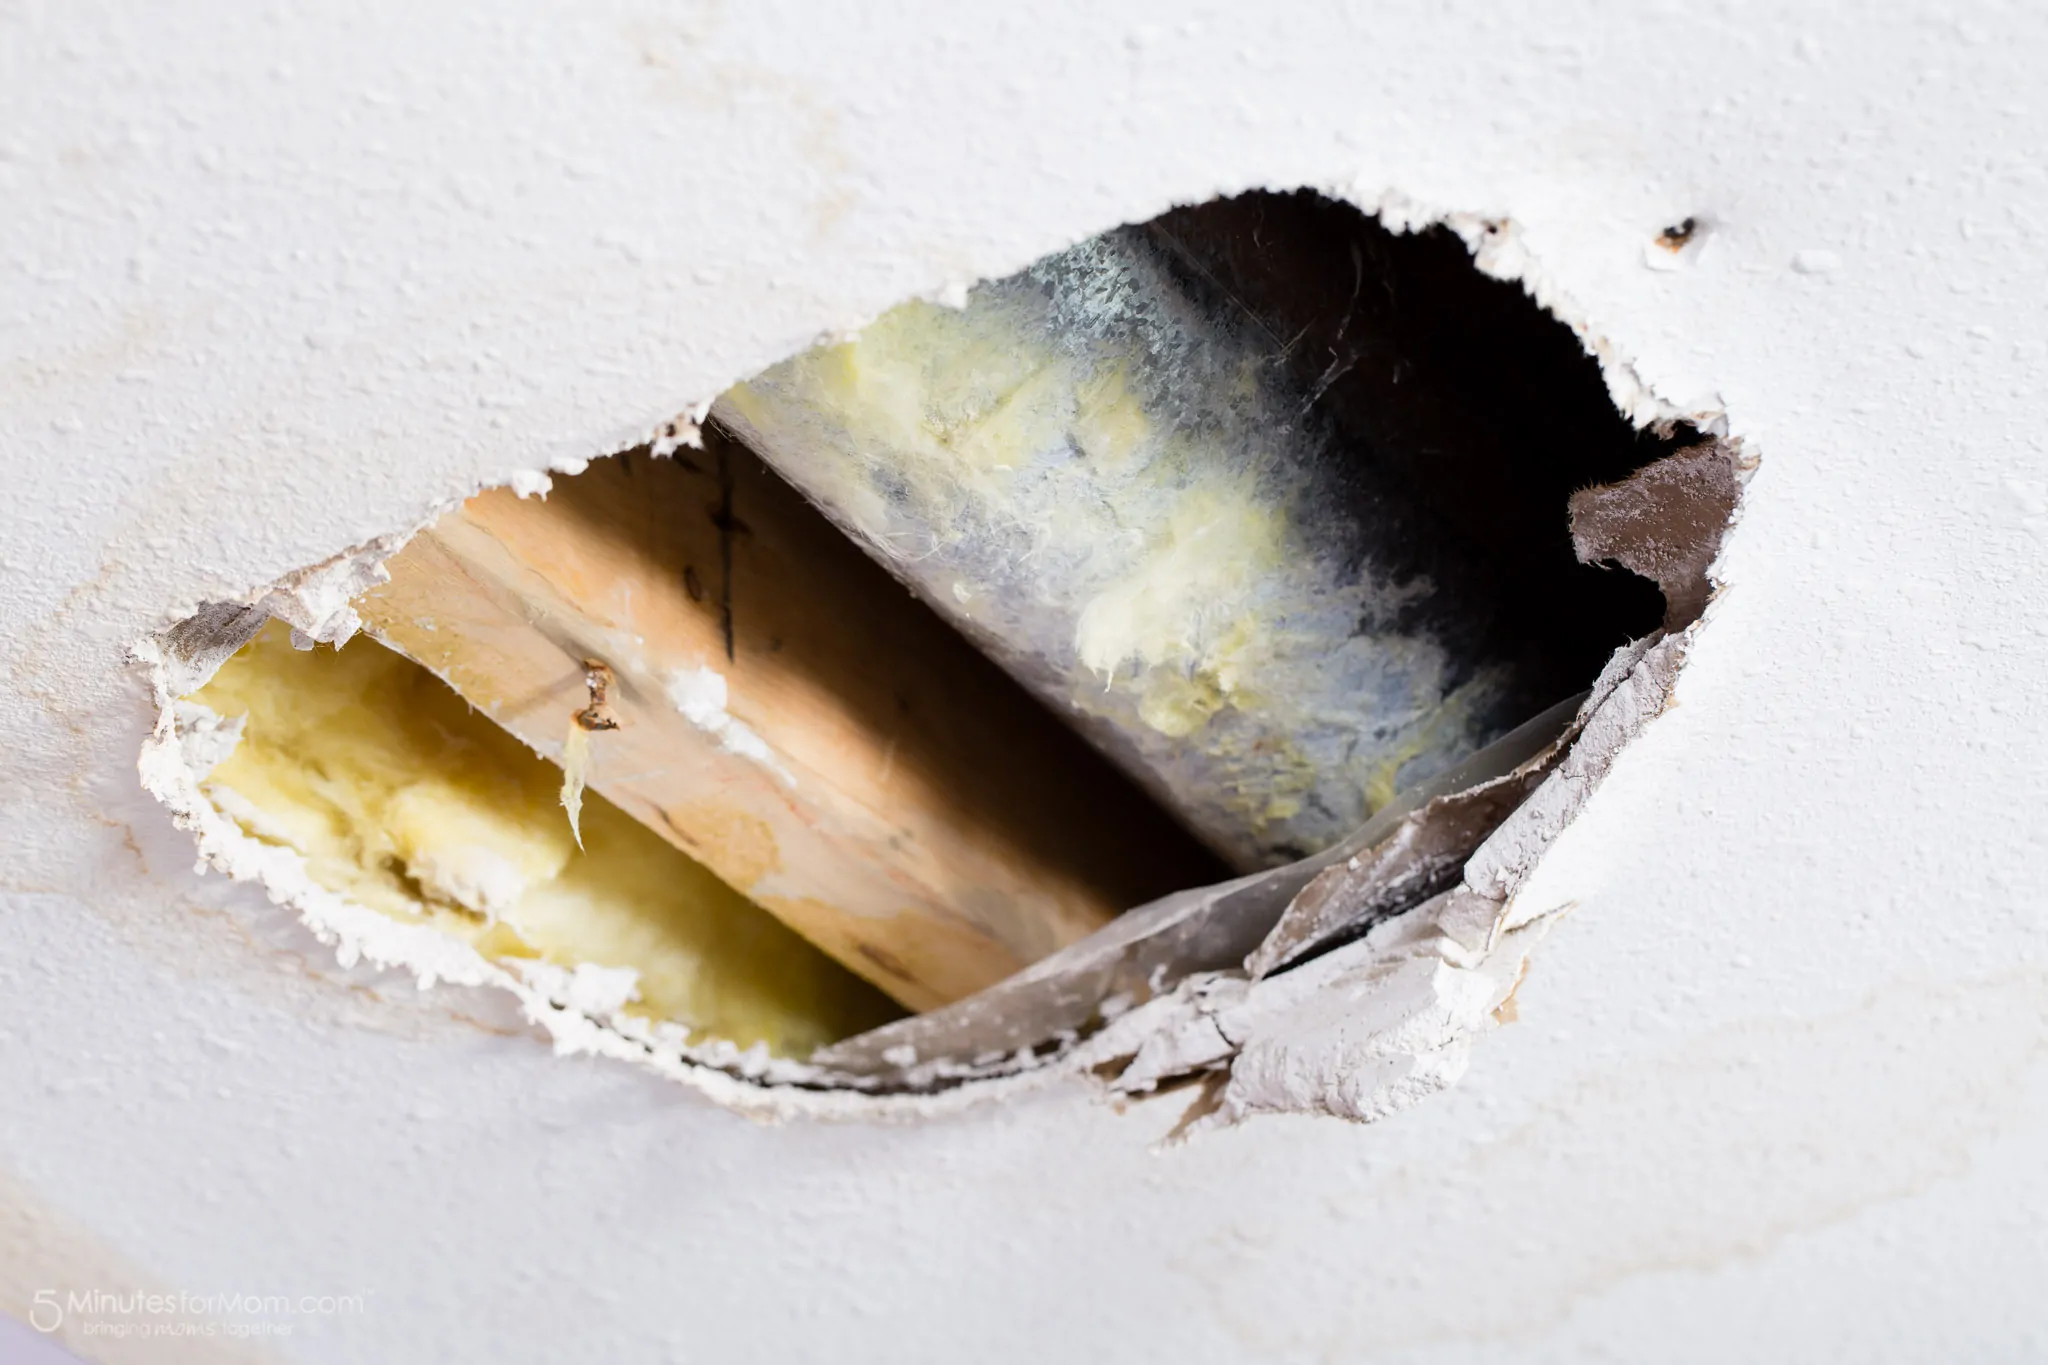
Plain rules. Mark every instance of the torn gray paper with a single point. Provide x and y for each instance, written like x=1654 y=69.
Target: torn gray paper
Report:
x=1149 y=949
x=1664 y=522
x=1373 y=1026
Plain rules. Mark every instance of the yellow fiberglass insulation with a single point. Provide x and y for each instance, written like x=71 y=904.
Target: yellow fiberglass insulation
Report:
x=1116 y=496
x=404 y=799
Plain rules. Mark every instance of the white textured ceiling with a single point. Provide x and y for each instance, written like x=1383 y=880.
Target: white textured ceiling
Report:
x=275 y=280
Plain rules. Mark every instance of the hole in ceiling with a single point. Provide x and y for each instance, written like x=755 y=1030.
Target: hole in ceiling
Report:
x=1228 y=535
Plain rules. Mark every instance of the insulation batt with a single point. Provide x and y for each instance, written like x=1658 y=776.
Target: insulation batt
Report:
x=409 y=803
x=1111 y=484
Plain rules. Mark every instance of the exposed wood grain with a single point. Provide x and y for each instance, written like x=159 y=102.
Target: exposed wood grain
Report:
x=908 y=808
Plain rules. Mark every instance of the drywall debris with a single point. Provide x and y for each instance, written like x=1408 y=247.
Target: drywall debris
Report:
x=1664 y=522
x=1359 y=1033
x=1370 y=1036
x=1634 y=691
x=686 y=430
x=1134 y=956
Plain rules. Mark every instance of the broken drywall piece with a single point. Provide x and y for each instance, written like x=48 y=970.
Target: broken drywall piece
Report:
x=1148 y=950
x=191 y=651
x=686 y=430
x=1635 y=695
x=1664 y=522
x=1376 y=1035
x=1378 y=1023
x=316 y=601
x=1425 y=850
x=1359 y=1032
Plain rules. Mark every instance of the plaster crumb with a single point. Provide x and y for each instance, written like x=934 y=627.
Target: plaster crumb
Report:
x=673 y=436
x=205 y=738
x=530 y=483
x=588 y=988
x=699 y=694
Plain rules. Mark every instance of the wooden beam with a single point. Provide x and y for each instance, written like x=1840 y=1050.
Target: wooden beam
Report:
x=788 y=715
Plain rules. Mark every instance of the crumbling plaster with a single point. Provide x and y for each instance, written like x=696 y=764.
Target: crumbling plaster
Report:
x=279 y=281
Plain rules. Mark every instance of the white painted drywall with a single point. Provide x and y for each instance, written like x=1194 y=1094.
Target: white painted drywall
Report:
x=275 y=279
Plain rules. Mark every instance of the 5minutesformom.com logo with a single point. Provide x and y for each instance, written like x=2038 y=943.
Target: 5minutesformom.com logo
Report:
x=138 y=1313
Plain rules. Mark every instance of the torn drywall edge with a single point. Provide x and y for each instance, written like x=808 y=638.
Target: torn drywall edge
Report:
x=1498 y=250
x=580 y=1009
x=1345 y=893
x=1359 y=1063
x=577 y=1009
x=1386 y=1020
x=1431 y=842
x=314 y=601
x=1360 y=1048
x=1151 y=948
x=1664 y=522
x=317 y=602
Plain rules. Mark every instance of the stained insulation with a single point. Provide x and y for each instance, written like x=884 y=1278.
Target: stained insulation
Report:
x=1211 y=490
x=402 y=798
